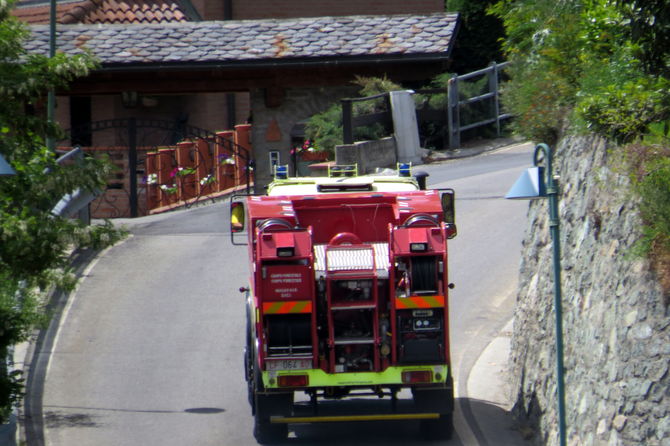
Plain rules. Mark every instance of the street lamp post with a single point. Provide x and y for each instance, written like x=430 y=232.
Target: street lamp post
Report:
x=539 y=182
x=51 y=96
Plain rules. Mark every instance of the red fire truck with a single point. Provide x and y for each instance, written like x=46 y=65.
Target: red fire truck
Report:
x=348 y=299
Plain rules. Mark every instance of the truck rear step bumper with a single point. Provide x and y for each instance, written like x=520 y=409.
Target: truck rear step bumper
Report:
x=348 y=418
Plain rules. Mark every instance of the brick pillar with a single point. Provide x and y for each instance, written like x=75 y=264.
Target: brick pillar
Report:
x=187 y=183
x=225 y=172
x=242 y=138
x=165 y=167
x=203 y=166
x=151 y=170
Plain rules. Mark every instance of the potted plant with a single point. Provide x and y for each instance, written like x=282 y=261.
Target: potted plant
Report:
x=308 y=154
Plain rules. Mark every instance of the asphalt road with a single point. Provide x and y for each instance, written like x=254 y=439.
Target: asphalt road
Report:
x=149 y=349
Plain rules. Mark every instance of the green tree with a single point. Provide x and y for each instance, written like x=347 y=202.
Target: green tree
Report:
x=325 y=128
x=595 y=63
x=479 y=38
x=34 y=243
x=603 y=67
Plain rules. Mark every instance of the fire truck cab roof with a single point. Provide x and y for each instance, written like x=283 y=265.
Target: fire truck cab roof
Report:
x=323 y=185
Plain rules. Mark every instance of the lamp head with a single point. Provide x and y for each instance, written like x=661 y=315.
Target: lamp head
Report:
x=5 y=168
x=530 y=185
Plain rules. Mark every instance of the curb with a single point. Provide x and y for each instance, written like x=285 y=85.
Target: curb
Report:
x=488 y=383
x=32 y=427
x=487 y=379
x=467 y=152
x=8 y=431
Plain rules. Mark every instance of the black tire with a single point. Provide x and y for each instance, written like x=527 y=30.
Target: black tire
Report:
x=249 y=370
x=264 y=431
x=249 y=373
x=439 y=429
x=265 y=406
x=249 y=367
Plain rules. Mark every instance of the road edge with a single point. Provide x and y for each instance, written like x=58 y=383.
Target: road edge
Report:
x=30 y=423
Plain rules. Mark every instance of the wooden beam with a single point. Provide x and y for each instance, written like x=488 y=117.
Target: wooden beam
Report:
x=207 y=80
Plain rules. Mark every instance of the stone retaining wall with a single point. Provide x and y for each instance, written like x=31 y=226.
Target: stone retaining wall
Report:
x=616 y=324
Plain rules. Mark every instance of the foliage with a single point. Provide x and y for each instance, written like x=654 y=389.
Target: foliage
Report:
x=325 y=128
x=626 y=111
x=34 y=244
x=594 y=63
x=648 y=22
x=542 y=47
x=434 y=134
x=18 y=316
x=478 y=42
x=650 y=176
x=308 y=151
x=601 y=66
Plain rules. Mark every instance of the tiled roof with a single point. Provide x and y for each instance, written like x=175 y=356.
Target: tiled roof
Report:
x=107 y=11
x=39 y=13
x=428 y=36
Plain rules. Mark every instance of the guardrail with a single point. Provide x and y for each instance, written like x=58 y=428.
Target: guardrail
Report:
x=77 y=201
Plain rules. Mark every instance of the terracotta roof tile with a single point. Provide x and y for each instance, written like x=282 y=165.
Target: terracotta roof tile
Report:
x=34 y=14
x=106 y=11
x=256 y=40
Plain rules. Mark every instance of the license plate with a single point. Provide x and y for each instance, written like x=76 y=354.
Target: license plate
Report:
x=288 y=364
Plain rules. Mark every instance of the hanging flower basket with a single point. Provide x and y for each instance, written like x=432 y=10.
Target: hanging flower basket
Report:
x=309 y=152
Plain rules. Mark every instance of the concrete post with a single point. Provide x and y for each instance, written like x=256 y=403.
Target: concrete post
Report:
x=405 y=127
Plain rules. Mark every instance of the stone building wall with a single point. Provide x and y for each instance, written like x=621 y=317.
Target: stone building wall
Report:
x=615 y=319
x=273 y=124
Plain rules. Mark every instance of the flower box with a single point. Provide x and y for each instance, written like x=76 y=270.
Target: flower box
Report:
x=313 y=156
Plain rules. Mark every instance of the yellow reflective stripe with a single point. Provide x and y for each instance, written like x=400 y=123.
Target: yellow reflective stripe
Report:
x=340 y=418
x=299 y=306
x=419 y=302
x=303 y=306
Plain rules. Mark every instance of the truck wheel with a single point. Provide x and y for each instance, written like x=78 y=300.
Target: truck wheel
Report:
x=264 y=431
x=264 y=407
x=249 y=368
x=249 y=372
x=440 y=429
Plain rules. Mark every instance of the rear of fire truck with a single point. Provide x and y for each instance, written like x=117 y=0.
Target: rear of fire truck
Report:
x=348 y=298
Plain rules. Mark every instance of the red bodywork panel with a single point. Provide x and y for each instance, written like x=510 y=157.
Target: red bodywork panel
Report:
x=407 y=271
x=365 y=214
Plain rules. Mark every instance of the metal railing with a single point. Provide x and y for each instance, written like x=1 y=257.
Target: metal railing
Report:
x=350 y=122
x=456 y=103
x=450 y=116
x=78 y=200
